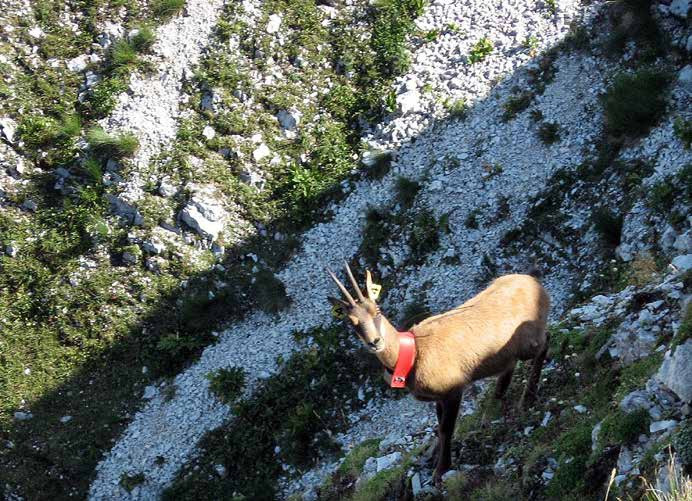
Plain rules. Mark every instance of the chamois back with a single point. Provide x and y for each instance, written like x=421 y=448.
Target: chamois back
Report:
x=483 y=337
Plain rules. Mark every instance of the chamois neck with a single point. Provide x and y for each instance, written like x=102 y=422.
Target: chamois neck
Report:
x=390 y=354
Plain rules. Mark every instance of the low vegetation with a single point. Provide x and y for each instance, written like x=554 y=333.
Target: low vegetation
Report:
x=635 y=102
x=481 y=50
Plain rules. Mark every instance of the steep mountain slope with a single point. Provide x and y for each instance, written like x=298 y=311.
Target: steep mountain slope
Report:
x=491 y=136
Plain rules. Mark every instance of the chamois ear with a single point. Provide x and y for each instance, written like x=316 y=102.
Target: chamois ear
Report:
x=373 y=289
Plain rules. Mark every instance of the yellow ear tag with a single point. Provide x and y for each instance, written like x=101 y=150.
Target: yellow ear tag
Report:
x=375 y=290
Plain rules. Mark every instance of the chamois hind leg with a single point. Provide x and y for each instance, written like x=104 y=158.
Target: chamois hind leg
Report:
x=503 y=382
x=450 y=410
x=530 y=391
x=431 y=452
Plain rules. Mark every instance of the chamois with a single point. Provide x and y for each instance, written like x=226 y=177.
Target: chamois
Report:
x=483 y=337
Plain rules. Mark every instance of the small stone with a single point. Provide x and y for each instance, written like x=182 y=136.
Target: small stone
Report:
x=676 y=371
x=27 y=371
x=65 y=419
x=685 y=78
x=149 y=392
x=209 y=132
x=29 y=205
x=273 y=23
x=450 y=474
x=546 y=419
x=261 y=152
x=683 y=263
x=153 y=246
x=36 y=32
x=679 y=8
x=624 y=462
x=408 y=101
x=580 y=409
x=130 y=258
x=78 y=64
x=166 y=189
x=657 y=426
x=8 y=127
x=11 y=250
x=220 y=470
x=416 y=484
x=386 y=462
x=23 y=416
x=289 y=119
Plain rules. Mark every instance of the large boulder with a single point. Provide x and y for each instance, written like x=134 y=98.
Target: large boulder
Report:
x=676 y=371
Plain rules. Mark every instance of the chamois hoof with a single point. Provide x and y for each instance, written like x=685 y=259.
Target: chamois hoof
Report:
x=437 y=478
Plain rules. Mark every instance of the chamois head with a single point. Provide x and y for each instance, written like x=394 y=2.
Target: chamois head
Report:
x=364 y=314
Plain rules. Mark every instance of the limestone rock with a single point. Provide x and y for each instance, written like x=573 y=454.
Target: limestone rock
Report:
x=685 y=78
x=204 y=213
x=289 y=119
x=408 y=101
x=8 y=127
x=680 y=8
x=676 y=371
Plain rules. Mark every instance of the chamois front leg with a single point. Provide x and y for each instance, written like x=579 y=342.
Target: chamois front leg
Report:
x=450 y=410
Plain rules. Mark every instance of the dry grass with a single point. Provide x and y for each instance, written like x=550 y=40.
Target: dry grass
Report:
x=679 y=486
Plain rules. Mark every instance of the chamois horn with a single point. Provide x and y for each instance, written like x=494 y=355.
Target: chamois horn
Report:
x=354 y=283
x=342 y=288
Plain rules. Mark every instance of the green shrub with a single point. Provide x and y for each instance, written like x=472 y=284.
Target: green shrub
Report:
x=406 y=191
x=227 y=384
x=122 y=53
x=457 y=108
x=574 y=449
x=354 y=461
x=619 y=428
x=549 y=132
x=682 y=441
x=130 y=481
x=268 y=292
x=515 y=105
x=683 y=130
x=144 y=39
x=108 y=145
x=165 y=9
x=635 y=102
x=375 y=235
x=608 y=225
x=471 y=220
x=381 y=486
x=481 y=49
x=425 y=236
x=104 y=96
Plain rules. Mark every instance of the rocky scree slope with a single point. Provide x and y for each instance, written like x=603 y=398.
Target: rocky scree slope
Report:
x=443 y=250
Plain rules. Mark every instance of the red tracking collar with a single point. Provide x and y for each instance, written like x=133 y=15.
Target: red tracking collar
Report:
x=404 y=363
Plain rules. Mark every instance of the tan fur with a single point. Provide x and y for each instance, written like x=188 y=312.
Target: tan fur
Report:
x=483 y=337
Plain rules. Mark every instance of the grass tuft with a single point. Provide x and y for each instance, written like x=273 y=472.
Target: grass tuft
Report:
x=549 y=132
x=481 y=50
x=109 y=145
x=227 y=384
x=166 y=9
